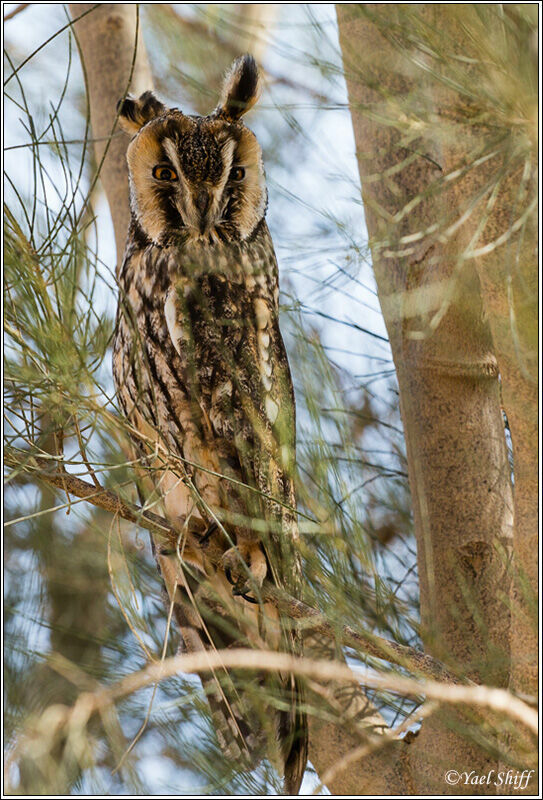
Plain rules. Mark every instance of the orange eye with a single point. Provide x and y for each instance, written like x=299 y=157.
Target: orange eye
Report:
x=237 y=174
x=164 y=173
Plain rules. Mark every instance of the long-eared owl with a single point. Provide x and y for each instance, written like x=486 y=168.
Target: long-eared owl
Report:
x=203 y=378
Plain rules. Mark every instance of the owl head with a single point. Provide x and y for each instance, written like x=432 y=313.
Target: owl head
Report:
x=194 y=177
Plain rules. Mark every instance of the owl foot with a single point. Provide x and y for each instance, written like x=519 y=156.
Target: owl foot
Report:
x=236 y=562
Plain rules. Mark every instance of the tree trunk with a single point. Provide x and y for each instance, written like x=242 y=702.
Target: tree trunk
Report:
x=360 y=724
x=504 y=255
x=508 y=275
x=114 y=61
x=448 y=382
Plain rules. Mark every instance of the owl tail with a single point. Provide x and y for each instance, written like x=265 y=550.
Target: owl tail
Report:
x=245 y=739
x=248 y=726
x=296 y=757
x=237 y=730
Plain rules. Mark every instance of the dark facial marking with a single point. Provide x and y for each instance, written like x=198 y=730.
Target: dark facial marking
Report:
x=173 y=216
x=166 y=195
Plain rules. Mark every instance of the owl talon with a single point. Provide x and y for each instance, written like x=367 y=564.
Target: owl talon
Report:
x=229 y=578
x=241 y=593
x=241 y=589
x=212 y=527
x=238 y=589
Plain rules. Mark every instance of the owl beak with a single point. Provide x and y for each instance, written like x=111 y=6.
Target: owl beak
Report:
x=202 y=203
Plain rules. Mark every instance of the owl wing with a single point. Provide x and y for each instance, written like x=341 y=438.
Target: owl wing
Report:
x=265 y=434
x=270 y=462
x=264 y=419
x=265 y=423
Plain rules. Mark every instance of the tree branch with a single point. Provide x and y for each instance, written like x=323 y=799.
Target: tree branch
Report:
x=481 y=697
x=370 y=644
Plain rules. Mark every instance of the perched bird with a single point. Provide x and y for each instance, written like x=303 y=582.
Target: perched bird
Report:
x=203 y=378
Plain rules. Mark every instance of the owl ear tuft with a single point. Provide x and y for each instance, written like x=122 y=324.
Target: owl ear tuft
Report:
x=134 y=114
x=241 y=88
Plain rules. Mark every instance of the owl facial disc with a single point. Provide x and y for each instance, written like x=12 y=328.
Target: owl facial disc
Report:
x=196 y=178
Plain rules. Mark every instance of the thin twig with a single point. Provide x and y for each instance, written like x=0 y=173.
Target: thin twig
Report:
x=58 y=439
x=17 y=10
x=84 y=454
x=365 y=642
x=102 y=498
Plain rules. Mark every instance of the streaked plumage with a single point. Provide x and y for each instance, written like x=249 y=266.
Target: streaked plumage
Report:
x=200 y=367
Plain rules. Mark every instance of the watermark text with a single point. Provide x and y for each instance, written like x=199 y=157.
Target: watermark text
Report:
x=512 y=778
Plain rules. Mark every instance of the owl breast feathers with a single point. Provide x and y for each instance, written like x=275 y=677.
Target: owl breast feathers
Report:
x=202 y=375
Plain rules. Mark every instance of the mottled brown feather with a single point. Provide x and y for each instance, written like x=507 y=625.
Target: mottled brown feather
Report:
x=200 y=368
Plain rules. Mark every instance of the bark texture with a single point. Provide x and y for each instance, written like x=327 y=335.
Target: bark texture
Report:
x=503 y=238
x=115 y=62
x=361 y=725
x=504 y=255
x=448 y=379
